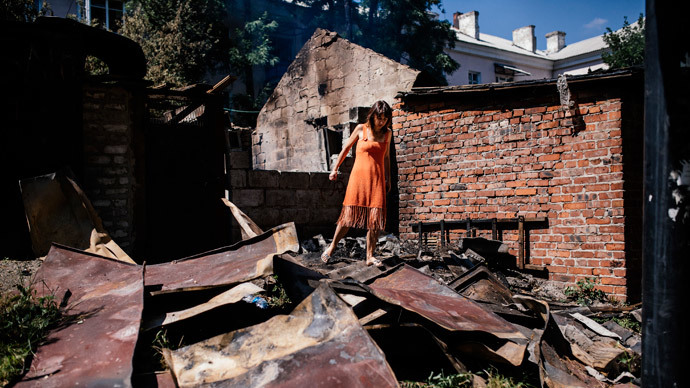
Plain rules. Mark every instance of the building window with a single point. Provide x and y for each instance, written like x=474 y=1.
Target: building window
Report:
x=500 y=78
x=474 y=77
x=105 y=13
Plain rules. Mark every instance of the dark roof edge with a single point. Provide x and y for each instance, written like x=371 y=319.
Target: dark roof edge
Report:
x=436 y=90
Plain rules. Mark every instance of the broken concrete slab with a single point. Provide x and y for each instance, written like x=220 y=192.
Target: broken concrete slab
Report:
x=57 y=210
x=320 y=344
x=105 y=301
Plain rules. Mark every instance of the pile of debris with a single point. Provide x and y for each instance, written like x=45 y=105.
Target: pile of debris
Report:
x=267 y=312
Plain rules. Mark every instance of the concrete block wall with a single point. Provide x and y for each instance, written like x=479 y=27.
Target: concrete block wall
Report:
x=271 y=197
x=535 y=160
x=109 y=159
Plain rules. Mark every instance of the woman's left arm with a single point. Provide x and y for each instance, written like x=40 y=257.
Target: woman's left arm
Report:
x=387 y=161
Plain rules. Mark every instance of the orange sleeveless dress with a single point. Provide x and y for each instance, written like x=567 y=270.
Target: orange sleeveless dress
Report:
x=364 y=206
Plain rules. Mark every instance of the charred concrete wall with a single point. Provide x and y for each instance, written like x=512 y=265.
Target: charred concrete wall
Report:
x=329 y=76
x=271 y=197
x=109 y=120
x=518 y=152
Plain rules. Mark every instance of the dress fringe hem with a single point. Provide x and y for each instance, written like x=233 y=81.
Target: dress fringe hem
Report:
x=362 y=217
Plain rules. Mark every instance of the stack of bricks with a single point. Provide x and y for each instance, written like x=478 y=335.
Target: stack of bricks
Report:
x=538 y=160
x=109 y=159
x=271 y=197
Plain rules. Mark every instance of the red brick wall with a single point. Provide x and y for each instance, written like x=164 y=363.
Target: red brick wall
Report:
x=528 y=158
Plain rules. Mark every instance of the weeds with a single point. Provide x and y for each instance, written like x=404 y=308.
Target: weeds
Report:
x=160 y=342
x=497 y=380
x=441 y=380
x=465 y=380
x=278 y=298
x=629 y=323
x=586 y=292
x=630 y=362
x=24 y=323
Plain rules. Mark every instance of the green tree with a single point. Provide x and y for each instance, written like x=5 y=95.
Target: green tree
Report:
x=626 y=45
x=403 y=30
x=183 y=40
x=23 y=10
x=251 y=46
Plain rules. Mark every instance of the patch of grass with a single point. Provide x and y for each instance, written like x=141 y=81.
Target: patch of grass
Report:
x=24 y=323
x=160 y=342
x=279 y=298
x=497 y=380
x=585 y=293
x=441 y=380
x=629 y=323
x=493 y=379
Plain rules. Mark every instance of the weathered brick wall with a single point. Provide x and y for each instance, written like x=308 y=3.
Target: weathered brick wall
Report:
x=109 y=159
x=509 y=157
x=271 y=197
x=328 y=78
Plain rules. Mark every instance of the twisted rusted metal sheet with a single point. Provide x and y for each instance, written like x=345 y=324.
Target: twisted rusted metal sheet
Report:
x=246 y=260
x=424 y=295
x=95 y=347
x=57 y=210
x=320 y=344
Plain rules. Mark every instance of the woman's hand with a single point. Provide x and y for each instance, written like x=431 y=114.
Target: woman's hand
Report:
x=333 y=176
x=388 y=185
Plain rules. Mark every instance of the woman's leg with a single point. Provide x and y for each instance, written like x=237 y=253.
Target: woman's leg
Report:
x=340 y=232
x=372 y=236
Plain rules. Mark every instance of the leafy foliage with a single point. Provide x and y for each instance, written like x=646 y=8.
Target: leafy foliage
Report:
x=23 y=10
x=181 y=39
x=24 y=322
x=630 y=362
x=278 y=297
x=252 y=45
x=628 y=322
x=586 y=292
x=627 y=45
x=402 y=30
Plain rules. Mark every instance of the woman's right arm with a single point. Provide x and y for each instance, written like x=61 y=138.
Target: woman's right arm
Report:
x=341 y=156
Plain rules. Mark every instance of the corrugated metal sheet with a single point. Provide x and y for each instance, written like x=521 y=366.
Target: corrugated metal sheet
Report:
x=246 y=260
x=57 y=210
x=96 y=346
x=424 y=295
x=320 y=344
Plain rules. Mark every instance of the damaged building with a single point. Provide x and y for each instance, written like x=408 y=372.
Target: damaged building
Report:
x=325 y=92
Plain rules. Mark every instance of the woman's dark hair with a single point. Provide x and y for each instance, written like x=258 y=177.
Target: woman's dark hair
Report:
x=380 y=108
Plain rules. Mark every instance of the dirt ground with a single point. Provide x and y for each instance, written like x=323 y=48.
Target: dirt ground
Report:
x=13 y=272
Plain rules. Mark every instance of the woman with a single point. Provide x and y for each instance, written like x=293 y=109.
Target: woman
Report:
x=364 y=206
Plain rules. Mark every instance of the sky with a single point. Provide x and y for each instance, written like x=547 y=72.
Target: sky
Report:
x=579 y=19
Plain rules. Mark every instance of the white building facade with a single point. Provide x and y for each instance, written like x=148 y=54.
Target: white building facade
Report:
x=488 y=59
